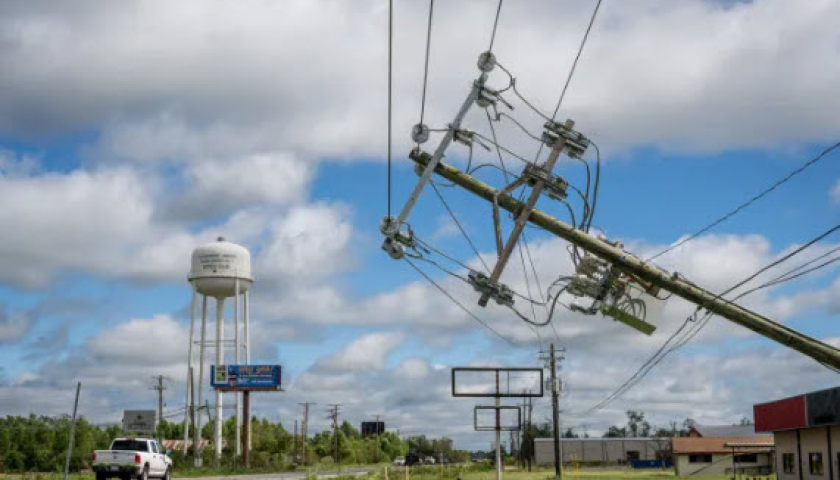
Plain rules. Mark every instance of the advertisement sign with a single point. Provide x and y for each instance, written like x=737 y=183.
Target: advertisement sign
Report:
x=141 y=422
x=245 y=377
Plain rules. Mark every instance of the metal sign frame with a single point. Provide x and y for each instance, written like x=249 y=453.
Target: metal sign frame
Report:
x=498 y=393
x=508 y=428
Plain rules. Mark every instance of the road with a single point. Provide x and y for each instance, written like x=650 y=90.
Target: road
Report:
x=287 y=475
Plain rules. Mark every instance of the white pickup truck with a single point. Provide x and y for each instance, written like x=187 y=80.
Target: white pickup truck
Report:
x=131 y=458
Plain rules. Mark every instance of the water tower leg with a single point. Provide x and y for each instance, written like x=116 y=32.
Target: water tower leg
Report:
x=201 y=347
x=247 y=331
x=247 y=351
x=189 y=374
x=237 y=449
x=220 y=362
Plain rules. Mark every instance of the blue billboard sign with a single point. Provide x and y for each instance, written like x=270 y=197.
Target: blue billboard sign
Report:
x=245 y=377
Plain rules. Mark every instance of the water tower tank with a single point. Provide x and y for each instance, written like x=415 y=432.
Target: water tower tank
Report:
x=216 y=266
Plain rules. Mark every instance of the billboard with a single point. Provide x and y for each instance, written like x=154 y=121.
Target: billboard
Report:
x=372 y=428
x=142 y=422
x=824 y=407
x=245 y=377
x=497 y=382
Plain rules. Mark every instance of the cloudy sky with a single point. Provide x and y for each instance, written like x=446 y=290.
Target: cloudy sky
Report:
x=132 y=132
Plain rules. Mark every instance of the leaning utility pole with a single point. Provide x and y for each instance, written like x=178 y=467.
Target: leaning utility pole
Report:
x=637 y=268
x=334 y=416
x=72 y=432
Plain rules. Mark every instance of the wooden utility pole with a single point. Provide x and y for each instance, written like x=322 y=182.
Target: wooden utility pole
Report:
x=555 y=412
x=72 y=432
x=303 y=427
x=334 y=416
x=632 y=265
x=246 y=437
x=159 y=388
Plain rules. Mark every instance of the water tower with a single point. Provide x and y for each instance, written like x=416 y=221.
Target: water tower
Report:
x=220 y=270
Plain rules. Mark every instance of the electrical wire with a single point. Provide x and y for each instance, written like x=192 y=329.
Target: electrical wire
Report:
x=459 y=304
x=689 y=334
x=495 y=25
x=574 y=66
x=390 y=96
x=461 y=228
x=747 y=203
x=426 y=68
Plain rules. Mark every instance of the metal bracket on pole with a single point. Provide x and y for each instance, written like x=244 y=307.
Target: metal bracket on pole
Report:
x=390 y=227
x=558 y=143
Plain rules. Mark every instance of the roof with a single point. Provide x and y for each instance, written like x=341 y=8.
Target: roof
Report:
x=757 y=444
x=607 y=439
x=724 y=430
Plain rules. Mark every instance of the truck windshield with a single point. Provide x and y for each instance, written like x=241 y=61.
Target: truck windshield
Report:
x=130 y=445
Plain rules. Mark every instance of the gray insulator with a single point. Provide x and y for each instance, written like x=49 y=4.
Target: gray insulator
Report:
x=486 y=62
x=420 y=133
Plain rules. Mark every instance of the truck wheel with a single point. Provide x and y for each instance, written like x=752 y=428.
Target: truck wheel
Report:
x=144 y=475
x=168 y=474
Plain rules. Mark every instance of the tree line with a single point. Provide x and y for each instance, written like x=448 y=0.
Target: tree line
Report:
x=39 y=444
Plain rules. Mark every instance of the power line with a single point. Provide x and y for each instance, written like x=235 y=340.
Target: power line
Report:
x=461 y=228
x=426 y=68
x=658 y=356
x=495 y=25
x=390 y=96
x=574 y=66
x=747 y=203
x=459 y=304
x=577 y=57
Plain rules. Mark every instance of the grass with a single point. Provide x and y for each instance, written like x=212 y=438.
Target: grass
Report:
x=446 y=472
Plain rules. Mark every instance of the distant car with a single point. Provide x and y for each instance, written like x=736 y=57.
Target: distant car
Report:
x=429 y=460
x=412 y=459
x=399 y=462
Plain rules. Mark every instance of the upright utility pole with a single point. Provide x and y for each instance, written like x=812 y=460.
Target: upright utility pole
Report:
x=646 y=272
x=376 y=445
x=72 y=432
x=555 y=412
x=334 y=416
x=303 y=428
x=160 y=387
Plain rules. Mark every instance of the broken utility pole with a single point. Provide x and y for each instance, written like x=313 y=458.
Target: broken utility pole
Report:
x=634 y=266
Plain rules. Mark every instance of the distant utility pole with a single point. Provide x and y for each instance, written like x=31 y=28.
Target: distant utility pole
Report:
x=296 y=452
x=303 y=427
x=72 y=431
x=334 y=416
x=376 y=445
x=555 y=408
x=159 y=387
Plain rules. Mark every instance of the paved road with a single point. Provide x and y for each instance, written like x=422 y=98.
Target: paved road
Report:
x=287 y=475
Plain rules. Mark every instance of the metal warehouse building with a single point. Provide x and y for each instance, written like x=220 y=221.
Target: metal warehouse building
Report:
x=807 y=433
x=603 y=450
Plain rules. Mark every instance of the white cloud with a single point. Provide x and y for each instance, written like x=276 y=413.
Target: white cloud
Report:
x=365 y=353
x=181 y=79
x=12 y=326
x=134 y=341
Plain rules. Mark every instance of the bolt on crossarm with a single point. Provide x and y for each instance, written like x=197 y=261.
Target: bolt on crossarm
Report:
x=632 y=265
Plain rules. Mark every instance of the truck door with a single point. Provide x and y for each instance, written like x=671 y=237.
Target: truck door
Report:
x=157 y=465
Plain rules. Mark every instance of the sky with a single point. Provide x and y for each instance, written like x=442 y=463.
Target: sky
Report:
x=132 y=132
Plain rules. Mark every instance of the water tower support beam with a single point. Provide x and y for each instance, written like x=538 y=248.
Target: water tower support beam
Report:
x=237 y=449
x=189 y=371
x=220 y=361
x=247 y=332
x=202 y=347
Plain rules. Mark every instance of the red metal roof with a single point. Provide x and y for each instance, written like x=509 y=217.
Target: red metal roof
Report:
x=785 y=414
